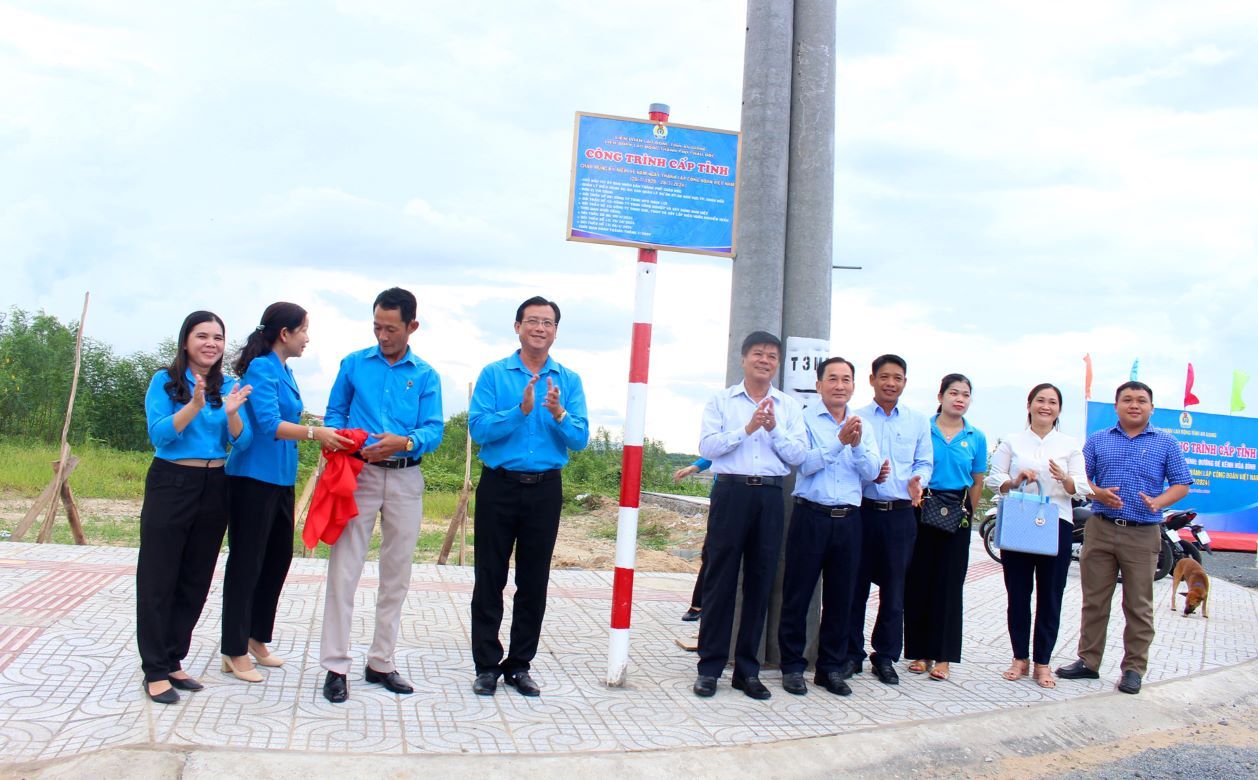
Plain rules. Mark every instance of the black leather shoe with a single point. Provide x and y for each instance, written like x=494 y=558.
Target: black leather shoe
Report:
x=833 y=682
x=885 y=671
x=185 y=683
x=335 y=688
x=168 y=696
x=523 y=683
x=1130 y=682
x=705 y=686
x=691 y=615
x=793 y=682
x=391 y=680
x=850 y=668
x=485 y=684
x=752 y=687
x=1077 y=671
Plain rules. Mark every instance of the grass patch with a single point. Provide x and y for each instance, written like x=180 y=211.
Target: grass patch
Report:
x=103 y=472
x=651 y=535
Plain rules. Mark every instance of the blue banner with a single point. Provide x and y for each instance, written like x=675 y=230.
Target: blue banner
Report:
x=649 y=184
x=1222 y=453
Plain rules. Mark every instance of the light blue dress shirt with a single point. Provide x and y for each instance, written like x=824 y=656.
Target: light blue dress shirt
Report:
x=957 y=461
x=510 y=439
x=832 y=472
x=904 y=439
x=723 y=436
x=206 y=437
x=378 y=397
x=274 y=399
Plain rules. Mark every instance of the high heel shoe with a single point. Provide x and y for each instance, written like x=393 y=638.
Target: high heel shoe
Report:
x=270 y=659
x=248 y=675
x=168 y=696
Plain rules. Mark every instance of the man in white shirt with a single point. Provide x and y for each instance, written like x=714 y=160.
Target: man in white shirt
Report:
x=753 y=433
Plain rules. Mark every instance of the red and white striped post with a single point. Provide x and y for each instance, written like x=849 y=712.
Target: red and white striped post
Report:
x=631 y=458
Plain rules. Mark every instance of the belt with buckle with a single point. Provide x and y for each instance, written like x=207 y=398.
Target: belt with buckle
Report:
x=886 y=506
x=528 y=477
x=392 y=463
x=754 y=480
x=842 y=510
x=1124 y=523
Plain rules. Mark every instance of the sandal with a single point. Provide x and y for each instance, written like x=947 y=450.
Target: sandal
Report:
x=940 y=672
x=1044 y=676
x=920 y=666
x=1016 y=671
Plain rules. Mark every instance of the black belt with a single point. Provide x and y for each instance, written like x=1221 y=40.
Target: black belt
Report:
x=842 y=510
x=392 y=463
x=885 y=506
x=750 y=479
x=527 y=477
x=1124 y=523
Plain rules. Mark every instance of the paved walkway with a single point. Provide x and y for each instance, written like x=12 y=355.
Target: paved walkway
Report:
x=70 y=680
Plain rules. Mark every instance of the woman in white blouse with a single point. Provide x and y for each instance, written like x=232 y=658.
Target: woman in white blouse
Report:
x=1038 y=452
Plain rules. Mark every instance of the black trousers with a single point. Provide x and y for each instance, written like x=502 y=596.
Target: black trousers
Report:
x=744 y=529
x=260 y=535
x=1049 y=574
x=934 y=587
x=696 y=596
x=886 y=546
x=182 y=523
x=818 y=545
x=524 y=517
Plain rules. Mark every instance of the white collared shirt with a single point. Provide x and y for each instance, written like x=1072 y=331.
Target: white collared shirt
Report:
x=1026 y=450
x=723 y=436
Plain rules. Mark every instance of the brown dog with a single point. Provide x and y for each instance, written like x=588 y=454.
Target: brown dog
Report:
x=1194 y=577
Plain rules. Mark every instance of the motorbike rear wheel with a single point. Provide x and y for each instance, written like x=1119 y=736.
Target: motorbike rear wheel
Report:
x=989 y=541
x=1166 y=560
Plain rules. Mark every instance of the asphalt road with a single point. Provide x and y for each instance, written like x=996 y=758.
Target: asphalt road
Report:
x=1238 y=567
x=1193 y=762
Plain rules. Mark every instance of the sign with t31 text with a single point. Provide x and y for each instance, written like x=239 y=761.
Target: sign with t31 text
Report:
x=636 y=182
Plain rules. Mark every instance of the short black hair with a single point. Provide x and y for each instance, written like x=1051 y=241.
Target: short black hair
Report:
x=536 y=300
x=757 y=337
x=883 y=360
x=1133 y=385
x=821 y=367
x=397 y=298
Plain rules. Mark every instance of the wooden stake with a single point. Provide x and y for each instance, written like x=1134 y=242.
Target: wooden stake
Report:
x=41 y=503
x=458 y=522
x=45 y=530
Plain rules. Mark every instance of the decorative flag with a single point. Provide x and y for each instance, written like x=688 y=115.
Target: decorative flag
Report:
x=1135 y=369
x=1189 y=398
x=1239 y=378
x=1087 y=377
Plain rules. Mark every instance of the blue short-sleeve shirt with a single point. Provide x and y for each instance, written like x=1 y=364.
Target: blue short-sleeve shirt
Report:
x=957 y=461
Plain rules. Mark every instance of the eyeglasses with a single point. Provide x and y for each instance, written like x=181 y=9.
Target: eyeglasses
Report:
x=533 y=322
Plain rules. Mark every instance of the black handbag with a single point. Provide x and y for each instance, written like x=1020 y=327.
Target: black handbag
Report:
x=944 y=512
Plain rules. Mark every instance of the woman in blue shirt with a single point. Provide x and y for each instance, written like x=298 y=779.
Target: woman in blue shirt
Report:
x=932 y=601
x=191 y=423
x=260 y=531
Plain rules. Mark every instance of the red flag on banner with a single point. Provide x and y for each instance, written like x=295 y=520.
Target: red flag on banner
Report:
x=1189 y=398
x=1087 y=377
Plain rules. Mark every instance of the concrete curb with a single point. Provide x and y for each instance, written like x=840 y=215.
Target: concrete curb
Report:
x=963 y=745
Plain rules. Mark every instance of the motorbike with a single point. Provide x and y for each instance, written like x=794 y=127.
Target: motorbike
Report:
x=1175 y=523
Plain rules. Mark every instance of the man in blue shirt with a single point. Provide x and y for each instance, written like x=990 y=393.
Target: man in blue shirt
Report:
x=524 y=442
x=888 y=519
x=387 y=391
x=753 y=433
x=1128 y=467
x=824 y=539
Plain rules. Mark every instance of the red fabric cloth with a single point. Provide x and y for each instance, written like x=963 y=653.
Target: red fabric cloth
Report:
x=333 y=504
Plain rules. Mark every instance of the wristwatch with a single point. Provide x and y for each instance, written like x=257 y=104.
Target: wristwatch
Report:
x=309 y=431
x=410 y=444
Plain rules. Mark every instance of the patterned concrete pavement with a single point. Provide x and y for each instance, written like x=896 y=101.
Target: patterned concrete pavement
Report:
x=70 y=680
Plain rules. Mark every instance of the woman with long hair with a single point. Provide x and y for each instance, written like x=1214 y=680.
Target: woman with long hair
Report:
x=936 y=577
x=1039 y=453
x=260 y=531
x=192 y=425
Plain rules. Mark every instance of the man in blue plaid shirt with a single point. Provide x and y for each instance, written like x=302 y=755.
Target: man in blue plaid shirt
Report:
x=1135 y=472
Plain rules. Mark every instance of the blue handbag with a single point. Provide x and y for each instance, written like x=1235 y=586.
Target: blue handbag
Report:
x=1027 y=522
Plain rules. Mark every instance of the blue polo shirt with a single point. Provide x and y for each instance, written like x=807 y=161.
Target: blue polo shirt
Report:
x=1143 y=463
x=274 y=399
x=378 y=397
x=510 y=439
x=957 y=461
x=205 y=438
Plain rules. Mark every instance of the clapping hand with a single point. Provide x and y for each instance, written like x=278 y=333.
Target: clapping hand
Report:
x=198 y=391
x=850 y=433
x=236 y=398
x=883 y=472
x=526 y=403
x=762 y=417
x=552 y=399
x=916 y=490
x=1057 y=472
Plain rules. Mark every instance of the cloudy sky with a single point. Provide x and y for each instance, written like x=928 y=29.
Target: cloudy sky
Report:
x=1022 y=183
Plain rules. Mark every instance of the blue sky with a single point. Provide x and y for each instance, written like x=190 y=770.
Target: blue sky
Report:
x=1021 y=183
